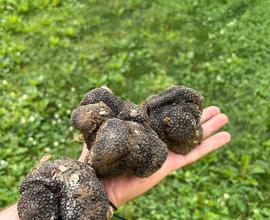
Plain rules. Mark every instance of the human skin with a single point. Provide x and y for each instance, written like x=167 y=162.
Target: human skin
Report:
x=124 y=188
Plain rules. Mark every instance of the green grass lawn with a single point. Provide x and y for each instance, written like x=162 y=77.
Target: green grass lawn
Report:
x=53 y=51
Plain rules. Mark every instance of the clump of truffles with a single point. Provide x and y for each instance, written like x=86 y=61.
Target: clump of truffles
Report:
x=126 y=148
x=175 y=115
x=118 y=136
x=123 y=139
x=63 y=189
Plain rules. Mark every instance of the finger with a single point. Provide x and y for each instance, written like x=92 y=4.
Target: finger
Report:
x=214 y=124
x=208 y=113
x=84 y=153
x=210 y=144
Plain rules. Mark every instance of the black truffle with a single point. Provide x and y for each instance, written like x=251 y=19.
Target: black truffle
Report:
x=126 y=148
x=97 y=106
x=175 y=115
x=63 y=189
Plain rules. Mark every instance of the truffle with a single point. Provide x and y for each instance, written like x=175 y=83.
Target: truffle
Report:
x=97 y=106
x=61 y=190
x=126 y=148
x=175 y=115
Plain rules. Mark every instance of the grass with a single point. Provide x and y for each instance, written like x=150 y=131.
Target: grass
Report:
x=52 y=52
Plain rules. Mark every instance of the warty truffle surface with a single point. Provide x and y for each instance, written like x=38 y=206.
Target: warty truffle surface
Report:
x=63 y=189
x=175 y=115
x=126 y=148
x=97 y=106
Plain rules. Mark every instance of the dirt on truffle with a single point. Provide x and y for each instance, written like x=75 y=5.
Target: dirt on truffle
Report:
x=175 y=115
x=63 y=189
x=121 y=109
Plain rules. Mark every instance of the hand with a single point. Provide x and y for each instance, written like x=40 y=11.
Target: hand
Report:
x=124 y=188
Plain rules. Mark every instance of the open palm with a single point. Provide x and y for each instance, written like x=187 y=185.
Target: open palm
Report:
x=124 y=188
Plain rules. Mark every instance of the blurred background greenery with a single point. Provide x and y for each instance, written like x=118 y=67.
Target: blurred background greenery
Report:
x=53 y=51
